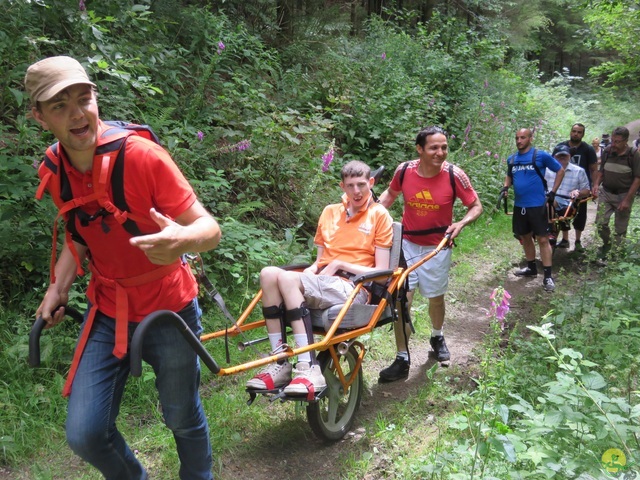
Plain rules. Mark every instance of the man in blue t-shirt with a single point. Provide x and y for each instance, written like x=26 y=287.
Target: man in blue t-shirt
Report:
x=525 y=172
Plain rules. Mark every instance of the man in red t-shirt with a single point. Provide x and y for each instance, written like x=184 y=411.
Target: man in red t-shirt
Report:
x=131 y=276
x=429 y=186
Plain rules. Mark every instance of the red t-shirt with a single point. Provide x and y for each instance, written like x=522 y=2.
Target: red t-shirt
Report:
x=151 y=179
x=428 y=202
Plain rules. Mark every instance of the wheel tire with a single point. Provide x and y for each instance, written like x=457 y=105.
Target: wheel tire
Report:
x=332 y=416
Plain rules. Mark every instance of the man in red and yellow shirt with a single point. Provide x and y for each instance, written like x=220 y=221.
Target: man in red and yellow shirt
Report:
x=429 y=186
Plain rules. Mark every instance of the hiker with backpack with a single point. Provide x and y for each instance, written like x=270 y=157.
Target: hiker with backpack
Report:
x=615 y=186
x=532 y=201
x=429 y=187
x=130 y=212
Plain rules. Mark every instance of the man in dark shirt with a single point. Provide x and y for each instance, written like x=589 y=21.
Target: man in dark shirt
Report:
x=583 y=155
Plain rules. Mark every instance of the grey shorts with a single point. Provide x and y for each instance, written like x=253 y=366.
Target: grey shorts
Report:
x=433 y=276
x=324 y=291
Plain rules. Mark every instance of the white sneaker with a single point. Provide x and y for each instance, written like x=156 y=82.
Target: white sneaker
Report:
x=271 y=377
x=307 y=380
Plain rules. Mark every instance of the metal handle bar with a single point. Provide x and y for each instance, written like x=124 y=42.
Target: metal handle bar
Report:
x=164 y=317
x=242 y=346
x=36 y=331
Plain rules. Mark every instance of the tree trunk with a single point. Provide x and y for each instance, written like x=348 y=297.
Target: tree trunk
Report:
x=285 y=18
x=427 y=10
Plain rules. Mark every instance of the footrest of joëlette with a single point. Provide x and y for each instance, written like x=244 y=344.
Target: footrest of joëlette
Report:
x=278 y=394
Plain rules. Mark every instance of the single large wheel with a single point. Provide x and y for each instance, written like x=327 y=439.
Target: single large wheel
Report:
x=332 y=416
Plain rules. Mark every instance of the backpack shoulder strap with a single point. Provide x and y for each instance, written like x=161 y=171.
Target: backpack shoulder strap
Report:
x=510 y=161
x=144 y=131
x=48 y=172
x=535 y=167
x=452 y=179
x=402 y=172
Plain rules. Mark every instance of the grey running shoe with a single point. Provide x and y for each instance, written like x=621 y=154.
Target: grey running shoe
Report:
x=548 y=284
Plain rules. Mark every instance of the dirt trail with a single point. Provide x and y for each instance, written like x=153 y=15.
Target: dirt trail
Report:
x=302 y=455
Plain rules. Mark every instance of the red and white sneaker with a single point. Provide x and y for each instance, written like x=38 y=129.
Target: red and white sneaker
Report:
x=307 y=380
x=271 y=377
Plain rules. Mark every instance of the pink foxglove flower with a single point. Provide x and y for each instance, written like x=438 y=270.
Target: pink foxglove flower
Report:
x=327 y=158
x=499 y=305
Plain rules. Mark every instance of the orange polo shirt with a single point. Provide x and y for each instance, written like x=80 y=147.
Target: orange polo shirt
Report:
x=353 y=239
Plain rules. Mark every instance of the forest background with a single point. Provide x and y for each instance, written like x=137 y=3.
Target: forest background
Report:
x=260 y=102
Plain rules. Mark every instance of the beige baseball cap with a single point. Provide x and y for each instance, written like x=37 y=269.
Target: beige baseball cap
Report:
x=48 y=77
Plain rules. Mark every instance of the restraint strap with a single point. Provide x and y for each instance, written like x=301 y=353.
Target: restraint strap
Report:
x=122 y=310
x=304 y=314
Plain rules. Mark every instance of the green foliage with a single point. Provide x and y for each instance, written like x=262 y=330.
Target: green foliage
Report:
x=610 y=20
x=248 y=125
x=552 y=406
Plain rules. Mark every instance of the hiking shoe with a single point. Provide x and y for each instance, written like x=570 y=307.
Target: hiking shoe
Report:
x=272 y=376
x=548 y=284
x=578 y=247
x=526 y=272
x=398 y=370
x=563 y=244
x=440 y=348
x=307 y=380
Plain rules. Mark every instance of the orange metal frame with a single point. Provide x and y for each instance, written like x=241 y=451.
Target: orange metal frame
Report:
x=331 y=338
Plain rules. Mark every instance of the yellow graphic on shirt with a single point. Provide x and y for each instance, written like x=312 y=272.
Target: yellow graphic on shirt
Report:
x=423 y=203
x=614 y=460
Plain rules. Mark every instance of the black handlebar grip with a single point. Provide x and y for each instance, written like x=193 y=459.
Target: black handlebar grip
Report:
x=36 y=331
x=34 y=342
x=175 y=320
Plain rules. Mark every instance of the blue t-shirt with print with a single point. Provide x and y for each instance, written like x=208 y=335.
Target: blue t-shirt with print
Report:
x=528 y=188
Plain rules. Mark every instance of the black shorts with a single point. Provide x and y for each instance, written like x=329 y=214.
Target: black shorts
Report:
x=530 y=219
x=580 y=220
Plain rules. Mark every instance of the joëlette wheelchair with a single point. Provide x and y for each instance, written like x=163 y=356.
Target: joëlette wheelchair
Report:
x=559 y=218
x=330 y=411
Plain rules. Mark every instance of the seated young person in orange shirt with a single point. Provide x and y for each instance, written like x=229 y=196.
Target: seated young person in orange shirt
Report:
x=353 y=237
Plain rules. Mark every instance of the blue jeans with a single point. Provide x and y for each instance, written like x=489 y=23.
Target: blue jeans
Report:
x=97 y=391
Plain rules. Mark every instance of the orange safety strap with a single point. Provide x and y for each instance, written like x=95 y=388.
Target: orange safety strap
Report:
x=122 y=313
